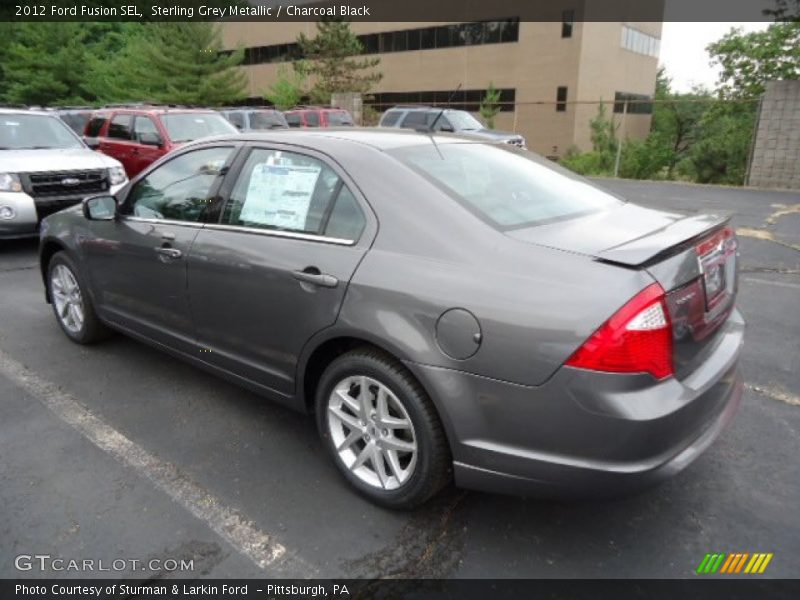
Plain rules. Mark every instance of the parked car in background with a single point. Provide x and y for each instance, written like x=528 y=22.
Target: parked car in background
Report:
x=248 y=118
x=447 y=308
x=75 y=116
x=446 y=120
x=139 y=135
x=315 y=116
x=45 y=167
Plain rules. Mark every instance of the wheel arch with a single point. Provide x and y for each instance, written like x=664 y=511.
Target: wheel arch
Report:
x=323 y=350
x=47 y=250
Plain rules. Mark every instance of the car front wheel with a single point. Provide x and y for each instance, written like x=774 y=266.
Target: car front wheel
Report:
x=71 y=303
x=382 y=430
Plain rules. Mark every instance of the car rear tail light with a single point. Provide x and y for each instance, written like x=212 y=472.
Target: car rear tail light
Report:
x=636 y=339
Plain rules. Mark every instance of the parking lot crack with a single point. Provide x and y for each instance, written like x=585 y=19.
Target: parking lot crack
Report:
x=774 y=394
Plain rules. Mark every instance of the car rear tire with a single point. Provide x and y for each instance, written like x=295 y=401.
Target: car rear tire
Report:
x=388 y=443
x=71 y=302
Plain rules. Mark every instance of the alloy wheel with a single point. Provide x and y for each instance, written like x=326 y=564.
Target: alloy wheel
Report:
x=67 y=298
x=372 y=432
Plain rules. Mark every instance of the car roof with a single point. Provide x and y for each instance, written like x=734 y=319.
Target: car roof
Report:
x=380 y=138
x=422 y=108
x=27 y=111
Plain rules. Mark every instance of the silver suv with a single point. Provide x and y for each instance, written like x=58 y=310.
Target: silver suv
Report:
x=45 y=167
x=447 y=120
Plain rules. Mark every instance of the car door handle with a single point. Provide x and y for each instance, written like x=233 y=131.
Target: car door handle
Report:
x=169 y=252
x=314 y=277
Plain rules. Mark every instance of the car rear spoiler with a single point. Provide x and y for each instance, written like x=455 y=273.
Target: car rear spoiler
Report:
x=655 y=245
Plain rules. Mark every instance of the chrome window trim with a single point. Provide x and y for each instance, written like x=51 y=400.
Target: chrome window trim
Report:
x=194 y=224
x=281 y=234
x=241 y=228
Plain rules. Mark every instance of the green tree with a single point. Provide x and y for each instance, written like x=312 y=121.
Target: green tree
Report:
x=490 y=105
x=172 y=62
x=674 y=127
x=45 y=63
x=749 y=60
x=722 y=142
x=289 y=88
x=785 y=10
x=331 y=63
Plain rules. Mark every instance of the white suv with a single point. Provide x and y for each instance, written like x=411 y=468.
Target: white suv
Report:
x=45 y=167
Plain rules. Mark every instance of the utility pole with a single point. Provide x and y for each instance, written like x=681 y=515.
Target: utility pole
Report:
x=621 y=138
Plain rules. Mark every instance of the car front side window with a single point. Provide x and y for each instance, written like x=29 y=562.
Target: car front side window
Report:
x=287 y=191
x=180 y=189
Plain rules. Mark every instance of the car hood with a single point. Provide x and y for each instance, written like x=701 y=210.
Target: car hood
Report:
x=626 y=234
x=492 y=134
x=61 y=159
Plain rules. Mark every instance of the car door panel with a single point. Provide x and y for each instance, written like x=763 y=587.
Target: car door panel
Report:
x=253 y=314
x=258 y=293
x=138 y=261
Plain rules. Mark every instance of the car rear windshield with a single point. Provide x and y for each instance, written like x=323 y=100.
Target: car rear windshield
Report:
x=34 y=132
x=339 y=118
x=267 y=119
x=506 y=187
x=186 y=127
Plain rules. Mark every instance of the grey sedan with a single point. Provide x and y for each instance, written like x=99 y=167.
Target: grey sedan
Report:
x=448 y=309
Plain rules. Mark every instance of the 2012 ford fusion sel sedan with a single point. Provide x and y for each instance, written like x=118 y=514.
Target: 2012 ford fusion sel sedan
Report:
x=448 y=309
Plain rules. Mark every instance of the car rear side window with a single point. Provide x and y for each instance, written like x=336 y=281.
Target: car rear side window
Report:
x=120 y=127
x=390 y=118
x=508 y=188
x=94 y=126
x=287 y=191
x=312 y=119
x=415 y=119
x=179 y=190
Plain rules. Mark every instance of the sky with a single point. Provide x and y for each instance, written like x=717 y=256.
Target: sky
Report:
x=683 y=51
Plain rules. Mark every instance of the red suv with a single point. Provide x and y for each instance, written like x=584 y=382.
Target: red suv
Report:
x=315 y=116
x=138 y=136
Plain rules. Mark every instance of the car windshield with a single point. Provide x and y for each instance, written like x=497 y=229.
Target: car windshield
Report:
x=35 y=132
x=338 y=118
x=463 y=121
x=267 y=119
x=186 y=127
x=506 y=187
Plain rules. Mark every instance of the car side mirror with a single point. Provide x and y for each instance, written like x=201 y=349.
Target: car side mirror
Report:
x=447 y=129
x=150 y=138
x=93 y=143
x=100 y=208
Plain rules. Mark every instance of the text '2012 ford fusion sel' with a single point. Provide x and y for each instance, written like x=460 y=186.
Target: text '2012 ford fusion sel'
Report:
x=447 y=308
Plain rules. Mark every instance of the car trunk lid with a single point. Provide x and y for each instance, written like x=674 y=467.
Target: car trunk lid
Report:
x=692 y=257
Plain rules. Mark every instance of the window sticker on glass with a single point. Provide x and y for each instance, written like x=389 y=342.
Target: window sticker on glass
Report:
x=280 y=195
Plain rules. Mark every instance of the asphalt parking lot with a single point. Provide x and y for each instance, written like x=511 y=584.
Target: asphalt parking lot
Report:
x=117 y=451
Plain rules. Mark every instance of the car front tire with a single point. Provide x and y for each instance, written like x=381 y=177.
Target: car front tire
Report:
x=71 y=302
x=382 y=430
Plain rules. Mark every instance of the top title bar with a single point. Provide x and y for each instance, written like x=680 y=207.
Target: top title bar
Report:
x=391 y=10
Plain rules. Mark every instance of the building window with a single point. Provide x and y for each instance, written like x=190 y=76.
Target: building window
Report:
x=567 y=21
x=468 y=100
x=561 y=98
x=641 y=43
x=427 y=38
x=638 y=104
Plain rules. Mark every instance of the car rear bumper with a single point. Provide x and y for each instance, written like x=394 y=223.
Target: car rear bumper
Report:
x=584 y=433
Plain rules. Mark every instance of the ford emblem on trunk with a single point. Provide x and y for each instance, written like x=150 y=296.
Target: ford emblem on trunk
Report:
x=70 y=181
